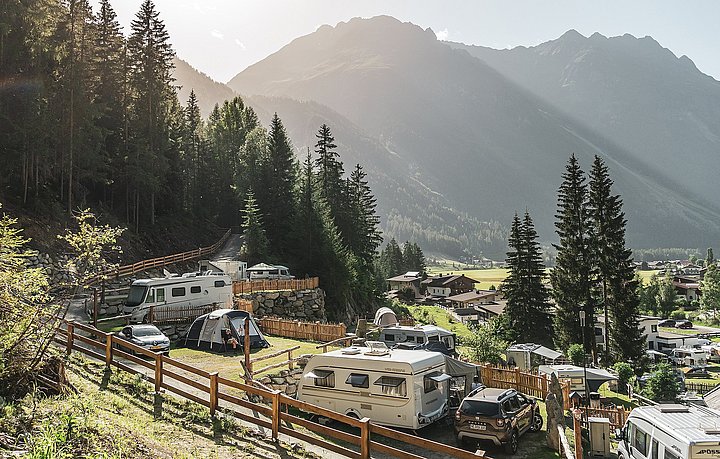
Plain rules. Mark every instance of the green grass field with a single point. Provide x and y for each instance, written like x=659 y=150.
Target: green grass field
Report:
x=435 y=315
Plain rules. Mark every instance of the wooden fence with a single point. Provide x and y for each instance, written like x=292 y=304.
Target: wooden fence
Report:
x=312 y=331
x=528 y=383
x=700 y=388
x=160 y=315
x=617 y=416
x=212 y=390
x=264 y=285
x=128 y=270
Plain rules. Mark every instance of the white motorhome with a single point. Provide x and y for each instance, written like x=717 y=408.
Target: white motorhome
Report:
x=595 y=376
x=417 y=336
x=186 y=291
x=688 y=356
x=265 y=271
x=398 y=388
x=670 y=431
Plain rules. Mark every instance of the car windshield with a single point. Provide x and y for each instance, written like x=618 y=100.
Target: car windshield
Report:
x=146 y=331
x=136 y=295
x=479 y=408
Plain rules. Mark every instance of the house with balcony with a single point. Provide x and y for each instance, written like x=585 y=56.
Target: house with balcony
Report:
x=410 y=280
x=444 y=286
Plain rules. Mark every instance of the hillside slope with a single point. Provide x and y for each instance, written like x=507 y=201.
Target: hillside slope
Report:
x=486 y=144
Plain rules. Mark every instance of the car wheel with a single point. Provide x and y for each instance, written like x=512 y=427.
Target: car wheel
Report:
x=536 y=423
x=512 y=445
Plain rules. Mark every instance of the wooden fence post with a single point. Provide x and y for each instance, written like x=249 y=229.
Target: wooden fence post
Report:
x=275 y=414
x=246 y=349
x=158 y=372
x=291 y=365
x=517 y=379
x=108 y=349
x=577 y=429
x=70 y=336
x=365 y=438
x=95 y=307
x=213 y=392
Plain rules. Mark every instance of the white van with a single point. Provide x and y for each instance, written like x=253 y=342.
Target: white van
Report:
x=397 y=388
x=418 y=335
x=265 y=271
x=688 y=356
x=186 y=291
x=670 y=431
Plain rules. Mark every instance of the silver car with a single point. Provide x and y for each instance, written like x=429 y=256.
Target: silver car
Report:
x=146 y=336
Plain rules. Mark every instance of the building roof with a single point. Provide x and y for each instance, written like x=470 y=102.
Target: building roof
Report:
x=494 y=308
x=437 y=281
x=465 y=311
x=410 y=276
x=469 y=296
x=671 y=335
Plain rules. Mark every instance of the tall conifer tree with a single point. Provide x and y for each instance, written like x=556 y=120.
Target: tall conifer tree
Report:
x=573 y=266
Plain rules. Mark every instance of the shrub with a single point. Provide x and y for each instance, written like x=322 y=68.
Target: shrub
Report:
x=678 y=315
x=625 y=373
x=662 y=385
x=576 y=354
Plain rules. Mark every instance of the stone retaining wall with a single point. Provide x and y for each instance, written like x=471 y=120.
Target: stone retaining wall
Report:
x=305 y=305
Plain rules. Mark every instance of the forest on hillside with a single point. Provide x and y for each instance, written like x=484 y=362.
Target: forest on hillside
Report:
x=91 y=119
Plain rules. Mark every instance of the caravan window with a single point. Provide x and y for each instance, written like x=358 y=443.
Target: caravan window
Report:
x=654 y=451
x=430 y=384
x=160 y=295
x=358 y=380
x=151 y=296
x=389 y=337
x=220 y=283
x=392 y=385
x=178 y=291
x=433 y=339
x=323 y=378
x=195 y=289
x=421 y=339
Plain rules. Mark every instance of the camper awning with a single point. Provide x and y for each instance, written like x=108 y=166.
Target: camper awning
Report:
x=318 y=374
x=441 y=377
x=390 y=381
x=547 y=352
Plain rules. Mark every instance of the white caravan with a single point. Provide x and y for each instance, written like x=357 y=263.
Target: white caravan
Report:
x=417 y=336
x=670 y=431
x=688 y=356
x=178 y=292
x=398 y=388
x=265 y=271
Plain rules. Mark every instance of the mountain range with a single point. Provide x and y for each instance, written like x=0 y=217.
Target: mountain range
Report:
x=457 y=138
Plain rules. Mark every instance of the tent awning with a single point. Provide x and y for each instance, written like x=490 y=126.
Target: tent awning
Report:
x=547 y=353
x=441 y=377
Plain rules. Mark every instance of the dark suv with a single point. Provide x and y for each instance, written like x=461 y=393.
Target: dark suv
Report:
x=498 y=415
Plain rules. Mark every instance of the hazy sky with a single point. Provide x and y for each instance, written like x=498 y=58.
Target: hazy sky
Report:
x=222 y=37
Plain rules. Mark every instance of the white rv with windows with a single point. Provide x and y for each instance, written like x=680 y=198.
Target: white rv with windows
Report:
x=690 y=357
x=265 y=271
x=186 y=291
x=398 y=388
x=418 y=335
x=670 y=431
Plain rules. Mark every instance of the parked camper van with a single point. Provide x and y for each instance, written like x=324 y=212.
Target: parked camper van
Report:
x=397 y=388
x=188 y=290
x=265 y=271
x=670 y=431
x=418 y=335
x=688 y=356
x=595 y=376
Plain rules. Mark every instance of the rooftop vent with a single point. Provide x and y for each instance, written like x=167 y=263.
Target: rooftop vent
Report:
x=351 y=350
x=377 y=348
x=672 y=408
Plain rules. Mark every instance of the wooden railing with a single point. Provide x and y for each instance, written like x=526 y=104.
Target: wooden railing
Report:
x=617 y=416
x=312 y=331
x=528 y=383
x=211 y=390
x=565 y=451
x=128 y=270
x=264 y=285
x=290 y=362
x=699 y=387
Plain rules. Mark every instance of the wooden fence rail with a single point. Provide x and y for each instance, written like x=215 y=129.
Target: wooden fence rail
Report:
x=313 y=331
x=264 y=285
x=528 y=383
x=210 y=389
x=699 y=387
x=617 y=416
x=177 y=314
x=128 y=270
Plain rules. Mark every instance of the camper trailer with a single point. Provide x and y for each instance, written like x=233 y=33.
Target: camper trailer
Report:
x=529 y=356
x=237 y=270
x=186 y=291
x=684 y=356
x=670 y=431
x=397 y=388
x=595 y=376
x=417 y=336
x=265 y=271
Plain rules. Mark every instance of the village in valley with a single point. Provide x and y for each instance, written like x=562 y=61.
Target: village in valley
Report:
x=375 y=240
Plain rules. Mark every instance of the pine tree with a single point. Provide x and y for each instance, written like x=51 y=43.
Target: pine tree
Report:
x=330 y=183
x=615 y=270
x=255 y=245
x=280 y=174
x=364 y=238
x=710 y=259
x=527 y=297
x=150 y=60
x=413 y=258
x=571 y=276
